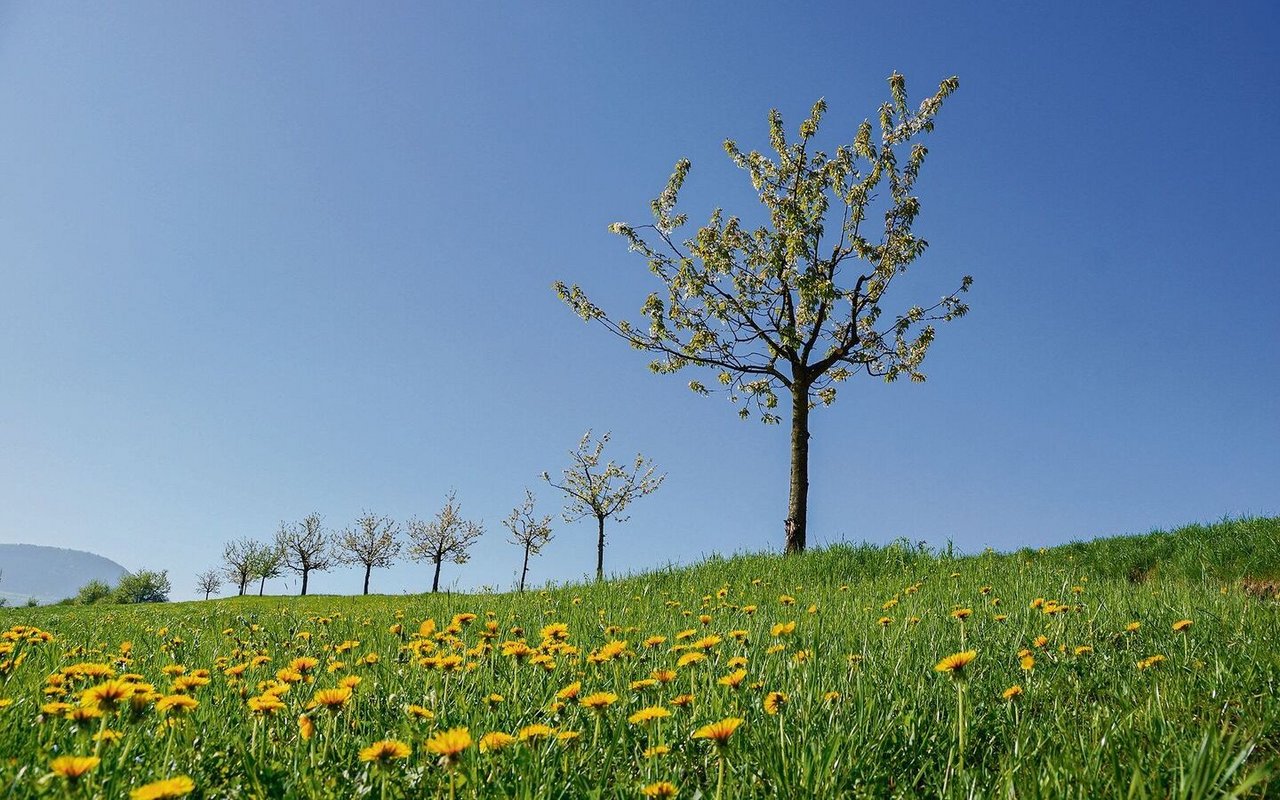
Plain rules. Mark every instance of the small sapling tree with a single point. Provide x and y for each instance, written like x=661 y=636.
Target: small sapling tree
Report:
x=208 y=582
x=373 y=542
x=447 y=537
x=305 y=546
x=528 y=532
x=602 y=491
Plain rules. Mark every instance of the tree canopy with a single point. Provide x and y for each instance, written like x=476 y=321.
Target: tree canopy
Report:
x=795 y=306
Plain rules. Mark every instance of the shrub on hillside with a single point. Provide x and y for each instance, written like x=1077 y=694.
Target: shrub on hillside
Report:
x=144 y=586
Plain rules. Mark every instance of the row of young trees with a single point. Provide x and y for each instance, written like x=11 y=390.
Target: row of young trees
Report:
x=594 y=488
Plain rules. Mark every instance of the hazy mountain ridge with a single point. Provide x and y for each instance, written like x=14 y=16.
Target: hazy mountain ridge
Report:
x=50 y=573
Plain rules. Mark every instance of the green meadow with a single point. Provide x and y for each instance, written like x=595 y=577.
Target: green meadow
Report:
x=1137 y=667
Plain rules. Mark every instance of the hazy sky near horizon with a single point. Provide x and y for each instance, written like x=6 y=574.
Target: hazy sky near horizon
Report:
x=260 y=260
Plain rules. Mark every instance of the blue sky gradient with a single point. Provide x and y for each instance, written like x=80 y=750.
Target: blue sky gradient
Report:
x=263 y=260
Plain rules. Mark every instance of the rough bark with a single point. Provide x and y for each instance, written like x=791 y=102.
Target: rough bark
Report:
x=798 y=500
x=435 y=582
x=600 y=551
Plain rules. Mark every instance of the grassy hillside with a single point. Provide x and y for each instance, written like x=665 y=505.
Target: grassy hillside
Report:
x=1132 y=667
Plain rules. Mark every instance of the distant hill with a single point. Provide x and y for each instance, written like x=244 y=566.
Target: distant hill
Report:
x=50 y=573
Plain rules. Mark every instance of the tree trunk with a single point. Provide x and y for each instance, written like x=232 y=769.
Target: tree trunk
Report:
x=207 y=593
x=435 y=582
x=798 y=501
x=525 y=570
x=367 y=569
x=304 y=579
x=262 y=586
x=600 y=551
x=243 y=581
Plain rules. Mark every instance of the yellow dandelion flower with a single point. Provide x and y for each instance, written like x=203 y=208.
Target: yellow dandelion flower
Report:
x=598 y=701
x=664 y=675
x=164 y=789
x=718 y=733
x=494 y=741
x=648 y=714
x=385 y=751
x=419 y=712
x=885 y=622
x=733 y=679
x=1011 y=692
x=831 y=697
x=1084 y=649
x=306 y=728
x=689 y=659
x=449 y=744
x=660 y=789
x=73 y=767
x=569 y=692
x=783 y=629
x=682 y=700
x=331 y=699
x=1132 y=627
x=962 y=613
x=107 y=696
x=84 y=713
x=108 y=736
x=955 y=663
x=265 y=704
x=176 y=702
x=656 y=751
x=567 y=737
x=535 y=732
x=1181 y=625
x=1040 y=641
x=774 y=702
x=1027 y=662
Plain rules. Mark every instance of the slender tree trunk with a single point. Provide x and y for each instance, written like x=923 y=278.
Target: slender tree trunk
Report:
x=206 y=595
x=243 y=581
x=600 y=550
x=435 y=582
x=525 y=570
x=262 y=586
x=304 y=579
x=798 y=501
x=367 y=569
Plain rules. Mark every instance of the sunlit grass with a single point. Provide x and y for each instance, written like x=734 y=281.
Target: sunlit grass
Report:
x=835 y=673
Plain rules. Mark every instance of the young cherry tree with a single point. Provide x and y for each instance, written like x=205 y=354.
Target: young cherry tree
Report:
x=448 y=537
x=305 y=546
x=208 y=582
x=603 y=491
x=528 y=532
x=372 y=543
x=795 y=306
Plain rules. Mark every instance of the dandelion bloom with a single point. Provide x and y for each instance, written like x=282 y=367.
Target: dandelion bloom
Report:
x=774 y=702
x=885 y=622
x=955 y=663
x=419 y=712
x=783 y=629
x=657 y=750
x=569 y=692
x=682 y=700
x=831 y=697
x=535 y=732
x=176 y=702
x=1132 y=627
x=265 y=704
x=331 y=699
x=449 y=744
x=733 y=679
x=689 y=659
x=73 y=767
x=598 y=701
x=108 y=736
x=1084 y=649
x=164 y=789
x=1027 y=663
x=648 y=714
x=1150 y=661
x=1040 y=641
x=718 y=733
x=385 y=751
x=660 y=789
x=664 y=675
x=107 y=696
x=306 y=728
x=1011 y=692
x=494 y=741
x=1181 y=625
x=84 y=713
x=962 y=613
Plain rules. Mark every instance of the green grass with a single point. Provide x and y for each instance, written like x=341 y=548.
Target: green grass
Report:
x=1203 y=722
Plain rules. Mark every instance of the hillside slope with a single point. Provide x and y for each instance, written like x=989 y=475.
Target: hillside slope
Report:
x=49 y=574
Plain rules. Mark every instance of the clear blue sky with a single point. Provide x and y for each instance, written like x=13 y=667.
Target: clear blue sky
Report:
x=259 y=260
